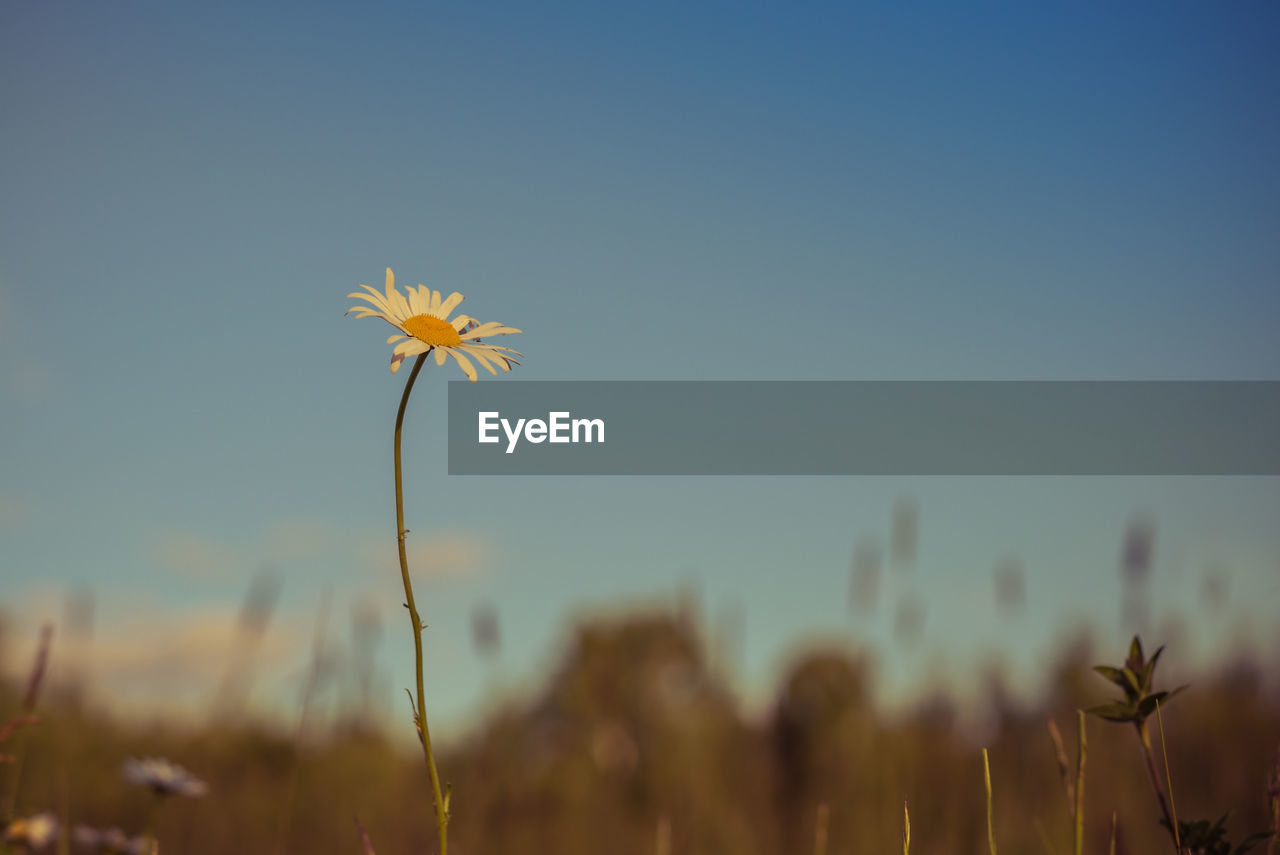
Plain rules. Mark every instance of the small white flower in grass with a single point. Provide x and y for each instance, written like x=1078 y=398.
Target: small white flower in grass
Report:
x=423 y=318
x=110 y=841
x=164 y=778
x=33 y=832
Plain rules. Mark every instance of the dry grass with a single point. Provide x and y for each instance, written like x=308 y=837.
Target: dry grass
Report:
x=634 y=734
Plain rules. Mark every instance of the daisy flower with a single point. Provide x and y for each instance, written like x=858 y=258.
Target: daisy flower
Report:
x=423 y=320
x=111 y=841
x=163 y=777
x=34 y=832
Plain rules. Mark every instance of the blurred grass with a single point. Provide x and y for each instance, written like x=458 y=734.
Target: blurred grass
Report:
x=634 y=738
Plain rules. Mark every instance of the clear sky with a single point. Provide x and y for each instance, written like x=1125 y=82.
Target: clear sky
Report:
x=650 y=191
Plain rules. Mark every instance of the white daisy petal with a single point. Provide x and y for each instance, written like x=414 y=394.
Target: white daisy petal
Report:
x=480 y=356
x=363 y=311
x=374 y=297
x=483 y=329
x=491 y=328
x=404 y=350
x=467 y=368
x=451 y=302
x=374 y=300
x=358 y=296
x=499 y=347
x=396 y=300
x=392 y=295
x=395 y=338
x=502 y=360
x=403 y=302
x=415 y=302
x=411 y=347
x=441 y=353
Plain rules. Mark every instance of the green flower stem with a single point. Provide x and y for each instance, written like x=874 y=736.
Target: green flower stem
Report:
x=442 y=818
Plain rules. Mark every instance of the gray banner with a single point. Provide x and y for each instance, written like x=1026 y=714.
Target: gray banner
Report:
x=864 y=428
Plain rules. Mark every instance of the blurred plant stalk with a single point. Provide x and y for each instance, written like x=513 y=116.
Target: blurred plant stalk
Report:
x=25 y=717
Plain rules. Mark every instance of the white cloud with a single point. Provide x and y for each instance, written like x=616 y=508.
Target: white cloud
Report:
x=447 y=555
x=140 y=654
x=294 y=540
x=439 y=555
x=162 y=648
x=193 y=555
x=200 y=556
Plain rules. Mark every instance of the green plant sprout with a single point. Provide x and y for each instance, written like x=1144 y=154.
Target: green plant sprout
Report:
x=1136 y=680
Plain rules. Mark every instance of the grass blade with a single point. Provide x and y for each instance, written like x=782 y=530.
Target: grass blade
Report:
x=366 y=845
x=820 y=830
x=1177 y=840
x=991 y=830
x=1044 y=837
x=662 y=840
x=1064 y=765
x=1082 y=750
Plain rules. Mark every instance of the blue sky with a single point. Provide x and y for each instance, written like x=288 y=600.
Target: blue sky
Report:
x=650 y=192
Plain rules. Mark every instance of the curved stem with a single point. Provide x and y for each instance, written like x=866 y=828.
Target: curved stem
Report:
x=442 y=818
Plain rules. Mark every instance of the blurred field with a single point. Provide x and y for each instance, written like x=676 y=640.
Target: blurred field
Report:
x=634 y=744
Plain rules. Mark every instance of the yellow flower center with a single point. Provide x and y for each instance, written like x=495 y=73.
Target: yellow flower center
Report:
x=432 y=330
